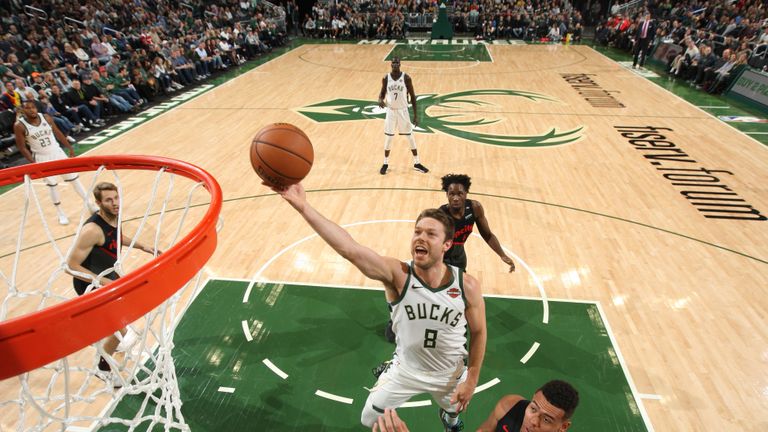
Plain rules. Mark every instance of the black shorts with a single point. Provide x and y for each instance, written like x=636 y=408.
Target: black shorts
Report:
x=81 y=286
x=458 y=259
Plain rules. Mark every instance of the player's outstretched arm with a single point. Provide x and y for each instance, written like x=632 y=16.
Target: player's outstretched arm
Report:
x=365 y=259
x=140 y=246
x=489 y=236
x=475 y=313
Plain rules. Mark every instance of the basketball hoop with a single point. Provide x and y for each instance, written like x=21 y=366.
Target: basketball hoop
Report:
x=51 y=333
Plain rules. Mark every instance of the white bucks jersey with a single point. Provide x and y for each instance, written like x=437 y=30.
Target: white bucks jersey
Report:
x=396 y=92
x=40 y=138
x=430 y=324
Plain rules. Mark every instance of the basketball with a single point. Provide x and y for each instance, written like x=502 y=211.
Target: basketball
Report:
x=281 y=154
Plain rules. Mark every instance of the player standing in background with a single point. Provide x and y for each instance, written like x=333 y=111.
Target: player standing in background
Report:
x=465 y=213
x=433 y=304
x=39 y=132
x=96 y=251
x=396 y=88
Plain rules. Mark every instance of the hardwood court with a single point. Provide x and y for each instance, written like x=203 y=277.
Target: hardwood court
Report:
x=610 y=188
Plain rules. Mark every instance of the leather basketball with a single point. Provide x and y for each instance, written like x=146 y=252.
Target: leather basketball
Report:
x=281 y=154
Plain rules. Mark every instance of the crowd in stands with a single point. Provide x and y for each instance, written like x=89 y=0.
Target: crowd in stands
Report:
x=706 y=43
x=87 y=62
x=484 y=19
x=348 y=19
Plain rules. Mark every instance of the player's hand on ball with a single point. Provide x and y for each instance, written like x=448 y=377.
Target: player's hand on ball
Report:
x=294 y=194
x=463 y=395
x=389 y=422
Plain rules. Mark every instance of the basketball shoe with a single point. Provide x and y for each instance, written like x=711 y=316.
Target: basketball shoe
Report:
x=383 y=169
x=448 y=428
x=420 y=168
x=106 y=374
x=127 y=341
x=110 y=378
x=63 y=219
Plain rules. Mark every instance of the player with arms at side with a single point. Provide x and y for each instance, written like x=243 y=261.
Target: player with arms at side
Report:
x=96 y=250
x=465 y=212
x=394 y=87
x=433 y=304
x=36 y=135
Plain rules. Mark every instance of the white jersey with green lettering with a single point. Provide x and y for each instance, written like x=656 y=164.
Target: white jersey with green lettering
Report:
x=430 y=324
x=40 y=138
x=397 y=92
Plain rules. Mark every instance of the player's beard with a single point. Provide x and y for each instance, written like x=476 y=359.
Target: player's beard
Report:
x=105 y=211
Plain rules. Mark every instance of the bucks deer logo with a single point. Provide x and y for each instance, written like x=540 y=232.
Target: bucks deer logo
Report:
x=449 y=114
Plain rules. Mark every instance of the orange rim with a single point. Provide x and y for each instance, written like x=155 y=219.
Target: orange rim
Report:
x=36 y=339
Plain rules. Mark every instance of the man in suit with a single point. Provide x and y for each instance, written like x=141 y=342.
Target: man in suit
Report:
x=643 y=37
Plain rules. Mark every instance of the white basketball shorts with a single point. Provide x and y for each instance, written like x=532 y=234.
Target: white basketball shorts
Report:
x=51 y=155
x=399 y=383
x=397 y=121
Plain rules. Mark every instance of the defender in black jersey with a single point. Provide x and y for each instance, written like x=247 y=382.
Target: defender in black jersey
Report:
x=102 y=256
x=96 y=247
x=465 y=214
x=96 y=251
x=549 y=410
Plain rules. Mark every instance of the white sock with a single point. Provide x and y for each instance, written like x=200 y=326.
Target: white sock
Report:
x=79 y=189
x=412 y=142
x=54 y=195
x=59 y=211
x=450 y=420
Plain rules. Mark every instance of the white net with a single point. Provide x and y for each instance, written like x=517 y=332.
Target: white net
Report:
x=140 y=390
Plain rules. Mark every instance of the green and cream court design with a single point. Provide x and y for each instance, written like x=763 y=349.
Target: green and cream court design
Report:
x=440 y=50
x=299 y=357
x=661 y=271
x=462 y=114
